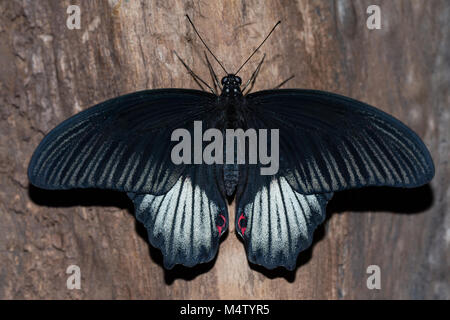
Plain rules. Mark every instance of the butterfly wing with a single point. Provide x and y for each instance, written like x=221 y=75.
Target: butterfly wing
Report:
x=330 y=142
x=186 y=222
x=275 y=221
x=122 y=144
x=327 y=143
x=125 y=144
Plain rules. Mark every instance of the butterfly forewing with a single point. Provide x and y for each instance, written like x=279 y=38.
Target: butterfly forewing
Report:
x=329 y=142
x=122 y=144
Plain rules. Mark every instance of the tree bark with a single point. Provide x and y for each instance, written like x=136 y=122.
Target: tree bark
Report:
x=49 y=72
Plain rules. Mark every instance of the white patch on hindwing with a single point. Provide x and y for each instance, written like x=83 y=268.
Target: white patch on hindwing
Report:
x=182 y=223
x=280 y=223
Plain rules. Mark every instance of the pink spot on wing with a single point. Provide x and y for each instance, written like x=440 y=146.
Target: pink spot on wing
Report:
x=219 y=228
x=239 y=223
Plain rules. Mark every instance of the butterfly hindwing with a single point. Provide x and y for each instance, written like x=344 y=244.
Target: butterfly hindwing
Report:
x=330 y=142
x=275 y=221
x=122 y=144
x=186 y=222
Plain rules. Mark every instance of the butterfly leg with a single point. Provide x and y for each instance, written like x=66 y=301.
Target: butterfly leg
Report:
x=282 y=83
x=215 y=80
x=252 y=79
x=196 y=78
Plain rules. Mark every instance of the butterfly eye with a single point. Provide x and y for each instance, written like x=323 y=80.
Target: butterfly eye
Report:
x=224 y=80
x=238 y=80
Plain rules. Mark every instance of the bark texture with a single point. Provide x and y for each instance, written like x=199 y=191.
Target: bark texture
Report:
x=48 y=73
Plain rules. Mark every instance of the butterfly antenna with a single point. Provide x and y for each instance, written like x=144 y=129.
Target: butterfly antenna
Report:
x=216 y=82
x=258 y=47
x=195 y=29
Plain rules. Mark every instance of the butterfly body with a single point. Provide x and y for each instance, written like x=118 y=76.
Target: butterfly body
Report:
x=232 y=102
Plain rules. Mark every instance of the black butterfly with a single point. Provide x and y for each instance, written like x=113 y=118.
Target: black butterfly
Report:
x=327 y=143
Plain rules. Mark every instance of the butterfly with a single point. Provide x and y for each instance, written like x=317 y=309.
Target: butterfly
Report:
x=327 y=143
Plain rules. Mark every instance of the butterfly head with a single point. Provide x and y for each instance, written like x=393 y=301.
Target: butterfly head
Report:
x=231 y=86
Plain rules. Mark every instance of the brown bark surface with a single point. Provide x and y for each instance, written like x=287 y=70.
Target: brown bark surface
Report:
x=48 y=73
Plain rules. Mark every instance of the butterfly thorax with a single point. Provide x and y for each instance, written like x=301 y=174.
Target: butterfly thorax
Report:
x=232 y=102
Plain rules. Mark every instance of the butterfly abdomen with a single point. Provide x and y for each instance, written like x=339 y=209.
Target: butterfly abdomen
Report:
x=231 y=178
x=231 y=172
x=233 y=119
